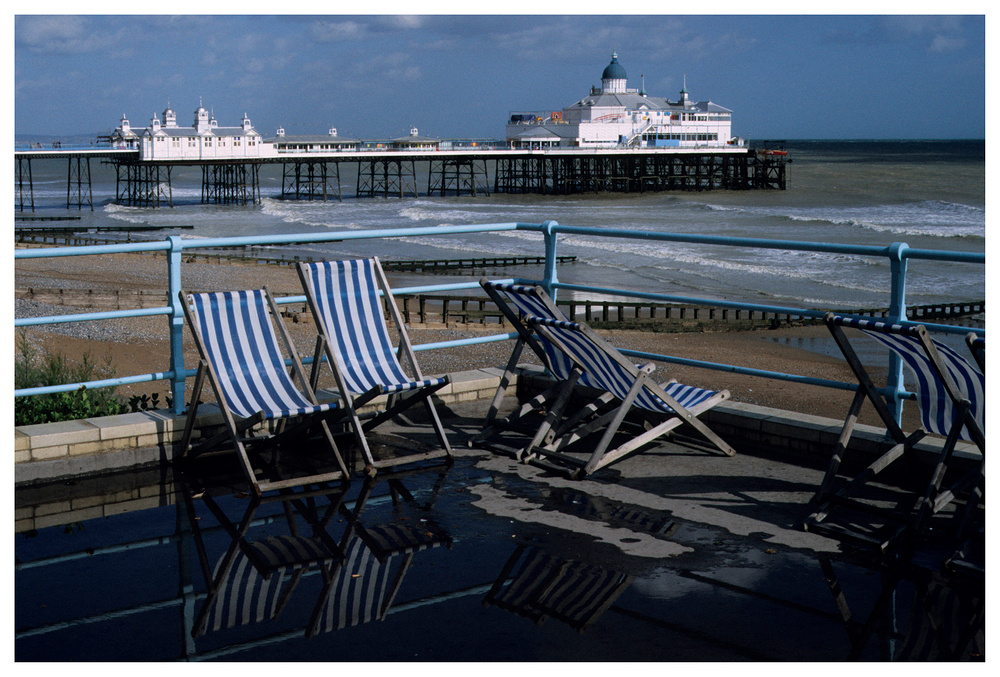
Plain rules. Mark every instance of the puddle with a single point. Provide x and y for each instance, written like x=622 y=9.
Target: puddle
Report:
x=468 y=563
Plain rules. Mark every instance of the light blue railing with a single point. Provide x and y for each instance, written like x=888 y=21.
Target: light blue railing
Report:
x=898 y=254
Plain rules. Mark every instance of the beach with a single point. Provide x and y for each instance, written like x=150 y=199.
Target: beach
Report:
x=141 y=345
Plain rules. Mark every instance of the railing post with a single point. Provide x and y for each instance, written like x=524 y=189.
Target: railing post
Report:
x=551 y=275
x=897 y=313
x=176 y=321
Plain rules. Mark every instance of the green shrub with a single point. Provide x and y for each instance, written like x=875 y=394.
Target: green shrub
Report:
x=32 y=371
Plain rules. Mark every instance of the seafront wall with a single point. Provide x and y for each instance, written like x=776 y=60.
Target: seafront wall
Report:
x=52 y=452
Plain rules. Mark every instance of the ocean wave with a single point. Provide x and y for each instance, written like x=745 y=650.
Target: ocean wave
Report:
x=929 y=218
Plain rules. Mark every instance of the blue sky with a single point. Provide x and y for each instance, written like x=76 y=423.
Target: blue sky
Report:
x=459 y=76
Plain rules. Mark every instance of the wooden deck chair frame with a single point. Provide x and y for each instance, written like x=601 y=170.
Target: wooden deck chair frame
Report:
x=545 y=586
x=294 y=555
x=516 y=301
x=235 y=430
x=604 y=364
x=606 y=412
x=907 y=519
x=403 y=391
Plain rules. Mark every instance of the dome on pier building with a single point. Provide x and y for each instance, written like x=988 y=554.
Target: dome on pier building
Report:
x=614 y=78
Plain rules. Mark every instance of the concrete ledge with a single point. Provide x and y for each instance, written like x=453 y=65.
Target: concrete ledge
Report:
x=55 y=451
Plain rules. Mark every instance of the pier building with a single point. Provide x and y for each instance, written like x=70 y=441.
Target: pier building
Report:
x=614 y=116
x=204 y=139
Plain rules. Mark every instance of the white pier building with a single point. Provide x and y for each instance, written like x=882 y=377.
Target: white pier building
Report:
x=613 y=116
x=203 y=140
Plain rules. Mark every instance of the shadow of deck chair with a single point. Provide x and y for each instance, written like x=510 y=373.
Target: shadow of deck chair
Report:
x=536 y=585
x=344 y=299
x=951 y=401
x=364 y=586
x=254 y=578
x=575 y=354
x=240 y=356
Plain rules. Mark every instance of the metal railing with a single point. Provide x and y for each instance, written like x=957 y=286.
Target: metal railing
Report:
x=898 y=255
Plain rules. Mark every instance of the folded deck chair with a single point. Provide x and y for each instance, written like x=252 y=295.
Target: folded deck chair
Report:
x=254 y=578
x=575 y=354
x=240 y=355
x=349 y=315
x=537 y=586
x=951 y=401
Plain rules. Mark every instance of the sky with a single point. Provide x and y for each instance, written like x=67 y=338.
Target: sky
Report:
x=460 y=76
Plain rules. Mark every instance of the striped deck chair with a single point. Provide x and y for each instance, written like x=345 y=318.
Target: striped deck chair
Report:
x=951 y=400
x=349 y=315
x=575 y=354
x=241 y=357
x=537 y=586
x=253 y=579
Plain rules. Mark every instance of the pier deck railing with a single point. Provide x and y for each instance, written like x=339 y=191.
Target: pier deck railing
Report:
x=898 y=255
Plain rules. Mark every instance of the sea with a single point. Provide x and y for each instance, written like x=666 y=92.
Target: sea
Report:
x=927 y=194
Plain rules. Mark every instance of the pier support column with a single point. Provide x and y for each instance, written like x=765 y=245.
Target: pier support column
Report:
x=230 y=183
x=23 y=169
x=386 y=177
x=142 y=185
x=78 y=174
x=310 y=180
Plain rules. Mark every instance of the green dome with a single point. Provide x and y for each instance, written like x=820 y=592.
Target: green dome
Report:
x=614 y=70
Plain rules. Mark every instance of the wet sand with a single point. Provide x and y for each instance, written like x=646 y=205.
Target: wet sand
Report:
x=135 y=346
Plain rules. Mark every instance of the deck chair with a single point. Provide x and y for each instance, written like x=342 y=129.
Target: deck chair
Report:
x=240 y=356
x=951 y=401
x=344 y=299
x=536 y=585
x=575 y=354
x=254 y=578
x=364 y=586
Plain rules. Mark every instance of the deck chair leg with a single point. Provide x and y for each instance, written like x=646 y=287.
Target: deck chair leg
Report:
x=199 y=381
x=595 y=461
x=505 y=380
x=555 y=413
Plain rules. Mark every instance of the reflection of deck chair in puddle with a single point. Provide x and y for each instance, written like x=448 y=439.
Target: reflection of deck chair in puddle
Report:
x=344 y=299
x=254 y=578
x=240 y=355
x=951 y=404
x=946 y=617
x=363 y=587
x=361 y=571
x=575 y=354
x=537 y=586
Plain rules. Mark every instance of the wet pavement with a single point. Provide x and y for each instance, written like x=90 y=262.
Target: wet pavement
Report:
x=676 y=554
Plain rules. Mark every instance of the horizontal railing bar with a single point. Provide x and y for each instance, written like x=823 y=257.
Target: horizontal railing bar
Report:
x=492 y=338
x=760 y=243
x=749 y=371
x=100 y=383
x=91 y=317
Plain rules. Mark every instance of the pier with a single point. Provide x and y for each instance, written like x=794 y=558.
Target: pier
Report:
x=449 y=171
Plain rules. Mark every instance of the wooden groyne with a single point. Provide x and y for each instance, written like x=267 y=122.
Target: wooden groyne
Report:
x=469 y=311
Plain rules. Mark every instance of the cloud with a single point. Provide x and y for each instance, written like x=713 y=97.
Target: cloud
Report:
x=58 y=34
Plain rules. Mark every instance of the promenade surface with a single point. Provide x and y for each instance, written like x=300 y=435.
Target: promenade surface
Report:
x=709 y=550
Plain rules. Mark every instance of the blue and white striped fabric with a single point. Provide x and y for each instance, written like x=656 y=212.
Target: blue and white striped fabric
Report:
x=937 y=411
x=243 y=349
x=525 y=299
x=245 y=596
x=346 y=298
x=607 y=373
